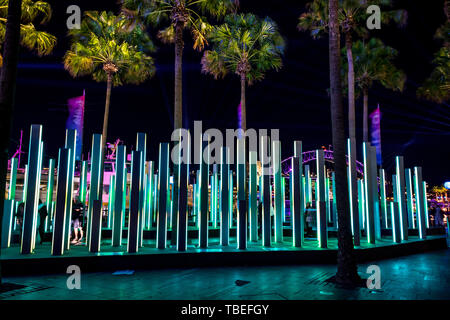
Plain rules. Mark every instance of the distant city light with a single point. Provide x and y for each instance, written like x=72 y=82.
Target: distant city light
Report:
x=447 y=185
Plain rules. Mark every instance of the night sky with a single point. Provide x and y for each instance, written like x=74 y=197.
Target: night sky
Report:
x=293 y=100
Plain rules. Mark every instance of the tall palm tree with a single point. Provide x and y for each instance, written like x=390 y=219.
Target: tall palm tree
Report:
x=352 y=18
x=246 y=46
x=437 y=86
x=375 y=64
x=175 y=16
x=106 y=49
x=33 y=13
x=346 y=264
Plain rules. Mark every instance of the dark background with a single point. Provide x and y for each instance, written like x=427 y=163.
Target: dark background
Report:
x=293 y=100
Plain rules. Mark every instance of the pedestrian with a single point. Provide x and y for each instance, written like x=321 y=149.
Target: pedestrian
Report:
x=77 y=218
x=42 y=211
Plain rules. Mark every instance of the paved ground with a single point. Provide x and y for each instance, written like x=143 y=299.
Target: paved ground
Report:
x=421 y=276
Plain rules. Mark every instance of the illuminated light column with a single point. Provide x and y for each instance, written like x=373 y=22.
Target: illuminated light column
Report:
x=49 y=195
x=304 y=200
x=13 y=179
x=32 y=190
x=353 y=191
x=194 y=203
x=265 y=191
x=141 y=145
x=70 y=143
x=327 y=199
x=322 y=235
x=174 y=204
x=376 y=196
x=59 y=221
x=204 y=179
x=25 y=186
x=241 y=169
x=214 y=188
x=395 y=220
x=283 y=199
x=155 y=197
x=224 y=196
x=231 y=197
x=242 y=225
x=400 y=173
x=276 y=158
x=368 y=194
x=291 y=194
x=95 y=191
x=297 y=214
x=420 y=206
x=96 y=226
x=83 y=182
x=120 y=196
x=150 y=195
x=135 y=204
x=384 y=207
x=361 y=204
x=308 y=184
x=425 y=202
x=182 y=215
x=163 y=188
x=409 y=199
x=7 y=222
x=253 y=196
x=335 y=219
x=111 y=196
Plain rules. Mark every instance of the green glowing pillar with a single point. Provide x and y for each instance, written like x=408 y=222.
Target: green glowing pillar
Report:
x=409 y=199
x=175 y=202
x=224 y=196
x=253 y=196
x=194 y=203
x=395 y=220
x=425 y=202
x=163 y=189
x=322 y=233
x=59 y=221
x=384 y=207
x=214 y=183
x=12 y=179
x=283 y=198
x=7 y=222
x=83 y=181
x=376 y=196
x=277 y=182
x=150 y=195
x=95 y=191
x=49 y=195
x=400 y=173
x=111 y=197
x=231 y=197
x=120 y=196
x=335 y=219
x=353 y=190
x=32 y=190
x=369 y=193
x=241 y=169
x=241 y=224
x=420 y=205
x=265 y=191
x=182 y=213
x=70 y=143
x=134 y=220
x=25 y=186
x=297 y=213
x=204 y=179
x=304 y=200
x=361 y=204
x=308 y=184
x=141 y=145
x=327 y=199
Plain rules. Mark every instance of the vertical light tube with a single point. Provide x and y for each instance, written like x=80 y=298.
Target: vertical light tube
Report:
x=297 y=214
x=384 y=207
x=400 y=172
x=141 y=145
x=225 y=199
x=276 y=158
x=253 y=196
x=95 y=191
x=266 y=192
x=111 y=194
x=368 y=194
x=32 y=190
x=135 y=204
x=7 y=222
x=120 y=196
x=13 y=179
x=70 y=143
x=409 y=199
x=322 y=235
x=353 y=190
x=395 y=220
x=204 y=179
x=420 y=206
x=49 y=197
x=425 y=202
x=163 y=185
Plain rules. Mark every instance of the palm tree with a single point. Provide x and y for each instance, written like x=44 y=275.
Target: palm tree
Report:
x=374 y=63
x=437 y=86
x=247 y=46
x=346 y=264
x=176 y=16
x=106 y=49
x=33 y=12
x=8 y=75
x=352 y=18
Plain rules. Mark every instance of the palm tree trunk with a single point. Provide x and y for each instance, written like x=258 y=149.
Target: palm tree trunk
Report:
x=178 y=108
x=351 y=87
x=243 y=104
x=346 y=263
x=366 y=115
x=8 y=78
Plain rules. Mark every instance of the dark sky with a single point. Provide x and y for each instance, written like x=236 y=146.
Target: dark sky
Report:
x=293 y=100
